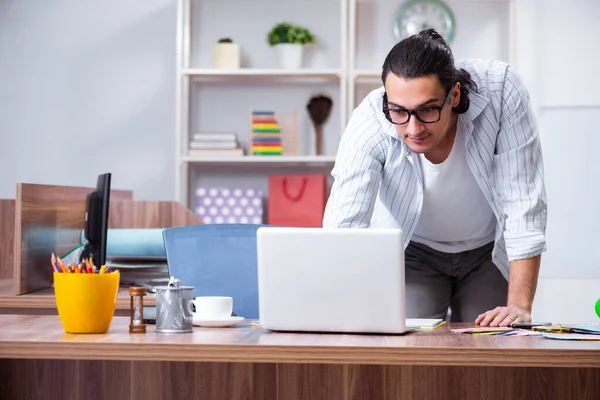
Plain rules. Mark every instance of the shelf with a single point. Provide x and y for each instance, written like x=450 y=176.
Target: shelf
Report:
x=45 y=298
x=262 y=160
x=365 y=74
x=259 y=72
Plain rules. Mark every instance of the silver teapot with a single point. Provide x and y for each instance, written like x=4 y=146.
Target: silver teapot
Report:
x=174 y=308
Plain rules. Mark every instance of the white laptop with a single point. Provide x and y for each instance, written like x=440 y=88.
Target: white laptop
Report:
x=331 y=280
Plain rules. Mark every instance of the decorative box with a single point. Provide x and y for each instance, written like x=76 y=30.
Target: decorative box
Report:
x=229 y=206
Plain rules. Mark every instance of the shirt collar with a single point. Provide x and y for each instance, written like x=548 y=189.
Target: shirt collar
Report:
x=477 y=104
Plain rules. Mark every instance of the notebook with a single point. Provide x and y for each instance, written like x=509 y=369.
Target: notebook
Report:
x=423 y=323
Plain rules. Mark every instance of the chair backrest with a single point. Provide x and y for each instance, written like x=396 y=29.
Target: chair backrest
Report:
x=217 y=260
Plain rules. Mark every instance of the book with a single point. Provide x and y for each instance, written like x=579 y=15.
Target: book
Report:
x=215 y=153
x=213 y=145
x=214 y=137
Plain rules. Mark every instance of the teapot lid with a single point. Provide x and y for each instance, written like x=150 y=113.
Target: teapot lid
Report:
x=173 y=285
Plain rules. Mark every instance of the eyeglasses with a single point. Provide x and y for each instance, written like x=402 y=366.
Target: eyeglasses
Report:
x=427 y=115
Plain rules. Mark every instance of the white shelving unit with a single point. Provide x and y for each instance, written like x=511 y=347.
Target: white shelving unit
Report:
x=300 y=160
x=346 y=64
x=205 y=94
x=258 y=72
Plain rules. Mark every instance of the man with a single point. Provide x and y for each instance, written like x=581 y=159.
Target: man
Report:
x=450 y=153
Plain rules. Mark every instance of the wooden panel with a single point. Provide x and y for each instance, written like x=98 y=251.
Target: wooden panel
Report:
x=7 y=232
x=223 y=381
x=47 y=219
x=48 y=379
x=151 y=214
x=90 y=380
x=430 y=382
x=311 y=381
x=38 y=336
x=530 y=383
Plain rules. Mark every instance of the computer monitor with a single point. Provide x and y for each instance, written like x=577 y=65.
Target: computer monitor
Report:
x=96 y=221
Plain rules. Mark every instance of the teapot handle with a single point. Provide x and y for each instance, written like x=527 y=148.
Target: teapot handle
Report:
x=189 y=307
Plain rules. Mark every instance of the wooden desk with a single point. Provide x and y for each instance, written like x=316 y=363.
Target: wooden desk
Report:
x=39 y=361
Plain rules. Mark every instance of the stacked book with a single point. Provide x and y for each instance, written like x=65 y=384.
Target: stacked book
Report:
x=219 y=144
x=266 y=134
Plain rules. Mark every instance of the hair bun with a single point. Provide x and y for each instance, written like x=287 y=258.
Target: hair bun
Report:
x=432 y=34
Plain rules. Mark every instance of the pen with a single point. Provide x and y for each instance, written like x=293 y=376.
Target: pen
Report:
x=61 y=264
x=53 y=261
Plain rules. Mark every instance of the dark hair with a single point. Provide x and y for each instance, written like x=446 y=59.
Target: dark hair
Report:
x=427 y=53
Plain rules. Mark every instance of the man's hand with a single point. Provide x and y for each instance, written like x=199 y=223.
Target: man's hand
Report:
x=503 y=316
x=522 y=284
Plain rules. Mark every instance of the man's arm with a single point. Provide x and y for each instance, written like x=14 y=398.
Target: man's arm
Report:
x=356 y=173
x=522 y=282
x=521 y=191
x=521 y=291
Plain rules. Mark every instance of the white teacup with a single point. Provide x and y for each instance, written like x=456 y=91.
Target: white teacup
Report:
x=213 y=308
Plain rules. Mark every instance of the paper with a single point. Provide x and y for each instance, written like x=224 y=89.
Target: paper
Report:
x=571 y=336
x=497 y=331
x=484 y=330
x=585 y=328
x=519 y=332
x=423 y=322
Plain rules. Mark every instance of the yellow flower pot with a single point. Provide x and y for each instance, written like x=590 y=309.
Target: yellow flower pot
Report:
x=86 y=302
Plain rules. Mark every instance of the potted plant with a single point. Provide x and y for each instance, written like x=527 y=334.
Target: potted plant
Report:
x=289 y=40
x=226 y=54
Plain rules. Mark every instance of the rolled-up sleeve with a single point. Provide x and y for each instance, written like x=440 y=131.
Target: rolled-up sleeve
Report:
x=519 y=173
x=356 y=174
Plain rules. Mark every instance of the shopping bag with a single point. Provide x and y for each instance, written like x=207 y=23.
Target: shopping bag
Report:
x=297 y=200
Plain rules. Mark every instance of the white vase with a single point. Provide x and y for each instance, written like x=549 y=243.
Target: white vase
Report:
x=289 y=55
x=226 y=56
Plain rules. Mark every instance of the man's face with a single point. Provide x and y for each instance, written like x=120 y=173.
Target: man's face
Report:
x=425 y=94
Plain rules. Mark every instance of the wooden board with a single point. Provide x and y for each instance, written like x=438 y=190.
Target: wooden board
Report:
x=126 y=380
x=7 y=229
x=38 y=302
x=48 y=219
x=151 y=214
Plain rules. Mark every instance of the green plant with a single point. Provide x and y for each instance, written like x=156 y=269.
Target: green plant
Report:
x=225 y=40
x=290 y=33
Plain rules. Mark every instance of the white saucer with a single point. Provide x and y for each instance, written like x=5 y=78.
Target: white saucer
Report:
x=219 y=323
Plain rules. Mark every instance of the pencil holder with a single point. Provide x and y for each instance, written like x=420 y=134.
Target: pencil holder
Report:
x=86 y=302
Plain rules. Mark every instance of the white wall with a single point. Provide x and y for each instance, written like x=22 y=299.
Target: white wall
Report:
x=87 y=87
x=560 y=57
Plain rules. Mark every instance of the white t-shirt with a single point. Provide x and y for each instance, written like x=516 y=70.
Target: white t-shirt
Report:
x=455 y=215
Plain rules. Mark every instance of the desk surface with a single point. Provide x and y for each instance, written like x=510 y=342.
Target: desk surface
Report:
x=42 y=337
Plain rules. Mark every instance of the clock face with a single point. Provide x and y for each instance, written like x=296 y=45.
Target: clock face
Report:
x=413 y=16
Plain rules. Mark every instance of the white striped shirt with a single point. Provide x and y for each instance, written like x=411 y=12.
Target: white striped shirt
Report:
x=378 y=180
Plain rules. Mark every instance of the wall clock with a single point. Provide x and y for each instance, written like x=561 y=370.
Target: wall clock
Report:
x=413 y=16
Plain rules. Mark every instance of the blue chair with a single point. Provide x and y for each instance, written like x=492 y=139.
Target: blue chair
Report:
x=217 y=260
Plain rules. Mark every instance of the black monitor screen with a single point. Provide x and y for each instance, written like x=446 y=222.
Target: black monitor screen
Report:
x=96 y=221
